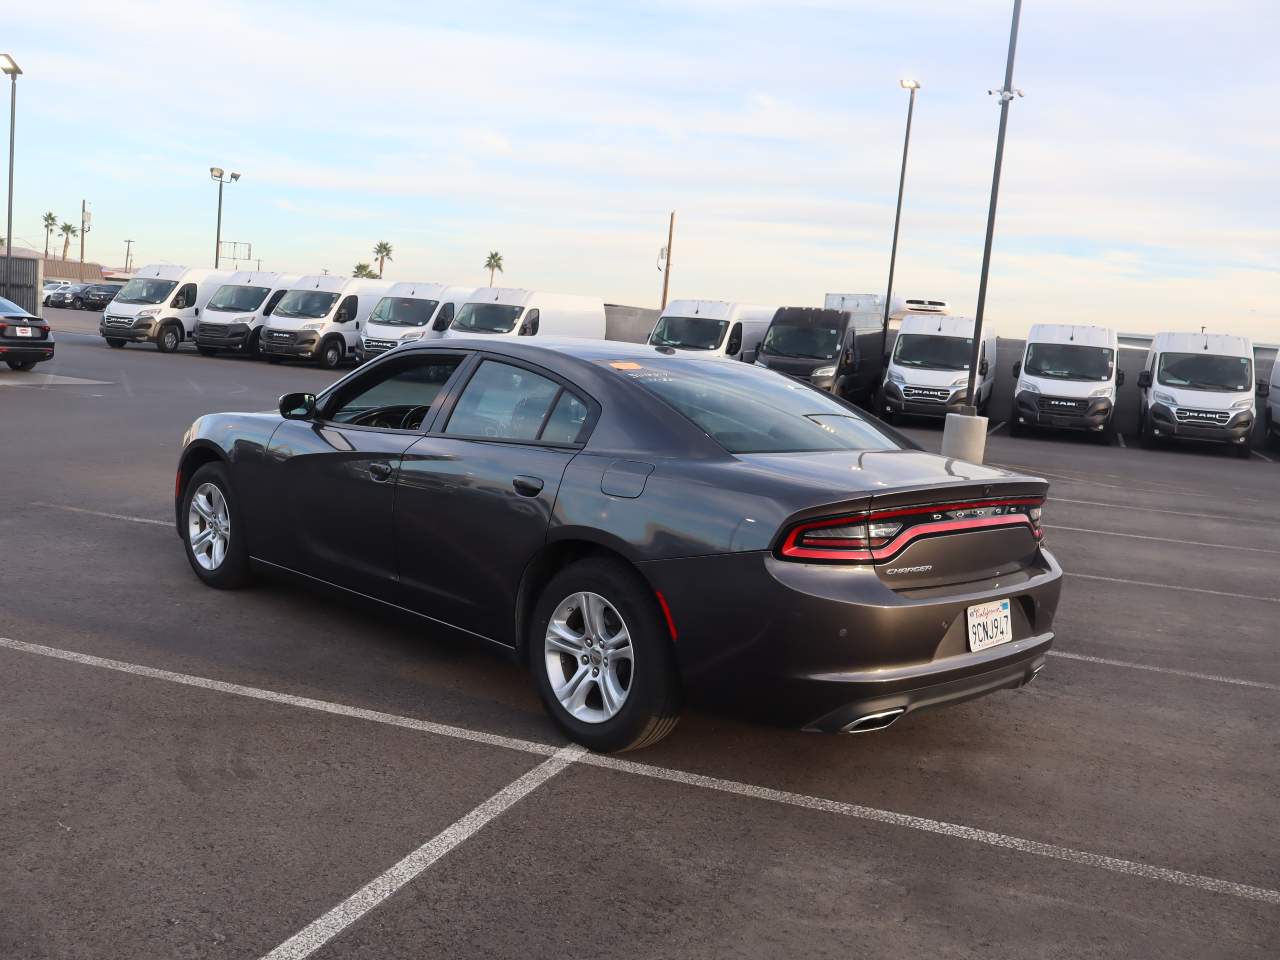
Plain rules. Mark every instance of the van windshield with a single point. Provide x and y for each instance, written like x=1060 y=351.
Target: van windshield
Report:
x=138 y=290
x=802 y=335
x=933 y=352
x=1069 y=361
x=239 y=299
x=1205 y=371
x=487 y=318
x=689 y=333
x=403 y=312
x=305 y=304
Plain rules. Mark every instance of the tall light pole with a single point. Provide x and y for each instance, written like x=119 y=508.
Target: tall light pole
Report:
x=8 y=66
x=664 y=255
x=216 y=173
x=86 y=218
x=913 y=86
x=128 y=252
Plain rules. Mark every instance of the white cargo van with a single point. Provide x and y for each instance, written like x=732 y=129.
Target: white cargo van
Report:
x=512 y=312
x=159 y=305
x=713 y=328
x=1067 y=380
x=1272 y=395
x=321 y=318
x=235 y=315
x=927 y=374
x=411 y=310
x=1198 y=386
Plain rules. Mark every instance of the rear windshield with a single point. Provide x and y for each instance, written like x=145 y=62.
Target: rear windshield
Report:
x=403 y=312
x=802 y=335
x=689 y=333
x=932 y=352
x=747 y=409
x=487 y=318
x=1070 y=361
x=1205 y=371
x=305 y=304
x=139 y=290
x=238 y=299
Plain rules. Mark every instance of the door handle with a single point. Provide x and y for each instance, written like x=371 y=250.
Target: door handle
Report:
x=379 y=471
x=527 y=486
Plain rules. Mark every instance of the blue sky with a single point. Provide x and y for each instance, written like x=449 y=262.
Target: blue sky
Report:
x=1141 y=178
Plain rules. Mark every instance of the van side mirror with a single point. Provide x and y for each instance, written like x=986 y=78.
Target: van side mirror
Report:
x=298 y=406
x=1017 y=369
x=749 y=356
x=1119 y=378
x=1264 y=388
x=984 y=368
x=1144 y=379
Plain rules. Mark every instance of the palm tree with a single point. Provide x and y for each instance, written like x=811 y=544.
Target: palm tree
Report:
x=381 y=250
x=68 y=230
x=364 y=271
x=50 y=224
x=492 y=263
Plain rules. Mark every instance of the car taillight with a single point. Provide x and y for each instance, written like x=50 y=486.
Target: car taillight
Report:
x=879 y=535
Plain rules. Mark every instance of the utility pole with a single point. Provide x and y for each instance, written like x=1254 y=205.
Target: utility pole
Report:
x=85 y=219
x=666 y=268
x=128 y=252
x=259 y=270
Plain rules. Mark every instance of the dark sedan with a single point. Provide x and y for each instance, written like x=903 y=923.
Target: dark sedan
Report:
x=24 y=340
x=634 y=525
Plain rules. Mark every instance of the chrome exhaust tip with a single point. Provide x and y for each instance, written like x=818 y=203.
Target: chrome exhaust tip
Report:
x=874 y=721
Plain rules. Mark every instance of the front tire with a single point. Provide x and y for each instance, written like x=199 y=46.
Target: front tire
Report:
x=213 y=529
x=169 y=338
x=602 y=658
x=331 y=354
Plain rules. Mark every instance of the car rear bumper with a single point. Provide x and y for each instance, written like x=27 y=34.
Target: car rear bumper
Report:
x=1091 y=416
x=818 y=646
x=37 y=350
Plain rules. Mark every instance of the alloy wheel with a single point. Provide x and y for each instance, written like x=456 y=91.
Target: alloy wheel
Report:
x=208 y=526
x=589 y=657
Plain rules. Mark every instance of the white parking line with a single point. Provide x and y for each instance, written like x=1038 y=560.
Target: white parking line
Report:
x=1143 y=536
x=955 y=830
x=1260 y=684
x=1173 y=586
x=319 y=932
x=1120 y=440
x=102 y=513
x=1263 y=456
x=996 y=427
x=1175 y=513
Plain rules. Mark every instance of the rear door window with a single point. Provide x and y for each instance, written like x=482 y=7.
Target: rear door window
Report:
x=506 y=402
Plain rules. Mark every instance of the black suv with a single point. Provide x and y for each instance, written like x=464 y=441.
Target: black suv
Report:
x=96 y=296
x=69 y=296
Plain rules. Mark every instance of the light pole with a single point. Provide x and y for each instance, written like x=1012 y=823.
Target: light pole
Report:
x=216 y=173
x=913 y=86
x=8 y=66
x=964 y=435
x=128 y=253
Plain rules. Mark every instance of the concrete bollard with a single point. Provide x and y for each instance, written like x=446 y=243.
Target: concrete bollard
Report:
x=964 y=437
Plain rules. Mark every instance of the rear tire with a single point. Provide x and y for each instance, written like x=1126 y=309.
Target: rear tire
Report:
x=21 y=366
x=644 y=679
x=169 y=338
x=217 y=520
x=115 y=342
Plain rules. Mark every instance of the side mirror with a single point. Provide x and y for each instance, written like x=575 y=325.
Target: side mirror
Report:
x=1017 y=369
x=749 y=356
x=298 y=406
x=984 y=368
x=1144 y=379
x=1119 y=378
x=1264 y=388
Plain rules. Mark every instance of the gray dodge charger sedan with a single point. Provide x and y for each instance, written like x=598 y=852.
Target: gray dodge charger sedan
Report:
x=635 y=526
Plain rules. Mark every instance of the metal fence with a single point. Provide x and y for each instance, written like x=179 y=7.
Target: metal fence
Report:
x=23 y=286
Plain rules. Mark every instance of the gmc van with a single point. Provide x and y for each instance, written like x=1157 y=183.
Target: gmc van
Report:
x=1067 y=380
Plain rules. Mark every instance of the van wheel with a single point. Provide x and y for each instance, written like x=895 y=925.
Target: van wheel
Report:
x=206 y=351
x=331 y=353
x=213 y=529
x=169 y=338
x=115 y=342
x=602 y=658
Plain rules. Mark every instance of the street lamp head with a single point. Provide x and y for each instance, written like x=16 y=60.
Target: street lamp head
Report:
x=215 y=173
x=235 y=177
x=910 y=84
x=8 y=66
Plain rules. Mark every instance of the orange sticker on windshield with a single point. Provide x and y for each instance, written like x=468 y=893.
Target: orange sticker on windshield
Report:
x=624 y=365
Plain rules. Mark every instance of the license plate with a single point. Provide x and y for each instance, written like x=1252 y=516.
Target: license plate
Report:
x=22 y=331
x=989 y=624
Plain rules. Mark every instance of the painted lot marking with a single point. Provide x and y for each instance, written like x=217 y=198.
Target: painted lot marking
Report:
x=856 y=811
x=1143 y=536
x=1262 y=456
x=102 y=513
x=1172 y=586
x=47 y=380
x=1129 y=664
x=996 y=427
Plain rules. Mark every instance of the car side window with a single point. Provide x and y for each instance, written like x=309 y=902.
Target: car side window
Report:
x=735 y=340
x=395 y=395
x=347 y=312
x=503 y=402
x=185 y=297
x=272 y=301
x=567 y=419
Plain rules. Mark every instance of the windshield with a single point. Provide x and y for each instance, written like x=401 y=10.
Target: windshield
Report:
x=1069 y=361
x=487 y=318
x=933 y=352
x=802 y=336
x=749 y=410
x=403 y=312
x=145 y=291
x=689 y=333
x=239 y=299
x=1205 y=371
x=305 y=304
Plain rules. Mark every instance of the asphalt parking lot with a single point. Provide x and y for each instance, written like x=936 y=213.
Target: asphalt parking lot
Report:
x=276 y=773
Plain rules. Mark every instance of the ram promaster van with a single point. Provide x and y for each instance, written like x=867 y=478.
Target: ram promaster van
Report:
x=321 y=318
x=411 y=310
x=835 y=350
x=1067 y=380
x=928 y=369
x=713 y=328
x=234 y=316
x=511 y=312
x=160 y=305
x=1198 y=386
